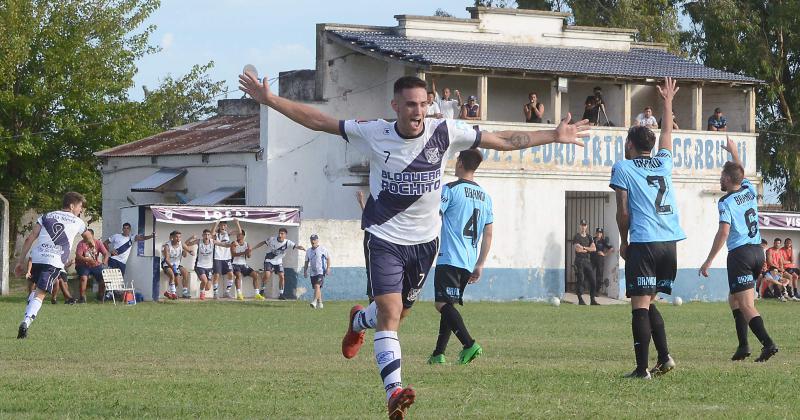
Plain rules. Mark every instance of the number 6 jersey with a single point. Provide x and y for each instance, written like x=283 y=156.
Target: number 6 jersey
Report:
x=740 y=210
x=651 y=199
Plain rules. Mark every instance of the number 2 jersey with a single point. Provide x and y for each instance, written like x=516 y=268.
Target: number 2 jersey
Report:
x=58 y=232
x=739 y=209
x=405 y=178
x=651 y=199
x=466 y=210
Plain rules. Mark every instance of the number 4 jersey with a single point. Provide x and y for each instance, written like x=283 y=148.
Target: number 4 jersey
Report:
x=740 y=210
x=466 y=210
x=651 y=199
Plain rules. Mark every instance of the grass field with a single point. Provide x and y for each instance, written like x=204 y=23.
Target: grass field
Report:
x=282 y=360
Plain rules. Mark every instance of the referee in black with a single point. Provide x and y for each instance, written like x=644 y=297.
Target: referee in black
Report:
x=584 y=246
x=602 y=248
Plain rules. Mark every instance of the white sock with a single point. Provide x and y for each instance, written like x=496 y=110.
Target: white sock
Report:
x=172 y=288
x=388 y=357
x=366 y=318
x=238 y=291
x=185 y=290
x=34 y=304
x=281 y=291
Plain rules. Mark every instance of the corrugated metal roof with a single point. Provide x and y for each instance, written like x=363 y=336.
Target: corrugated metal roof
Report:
x=215 y=197
x=219 y=134
x=635 y=63
x=157 y=180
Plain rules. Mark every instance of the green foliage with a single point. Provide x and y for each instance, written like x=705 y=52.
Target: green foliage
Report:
x=759 y=39
x=65 y=69
x=282 y=360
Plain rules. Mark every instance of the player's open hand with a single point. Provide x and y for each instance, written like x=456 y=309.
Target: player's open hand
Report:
x=669 y=89
x=704 y=269
x=249 y=84
x=572 y=133
x=476 y=275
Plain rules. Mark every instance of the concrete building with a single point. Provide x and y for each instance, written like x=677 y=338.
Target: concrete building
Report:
x=499 y=55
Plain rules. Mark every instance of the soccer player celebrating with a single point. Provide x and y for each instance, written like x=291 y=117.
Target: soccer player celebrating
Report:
x=241 y=252
x=204 y=264
x=400 y=216
x=119 y=245
x=466 y=221
x=273 y=260
x=54 y=234
x=172 y=253
x=222 y=256
x=738 y=227
x=646 y=207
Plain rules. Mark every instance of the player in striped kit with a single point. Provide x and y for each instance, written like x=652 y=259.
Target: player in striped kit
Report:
x=241 y=252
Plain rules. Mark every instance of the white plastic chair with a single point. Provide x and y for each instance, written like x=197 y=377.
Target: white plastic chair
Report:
x=114 y=281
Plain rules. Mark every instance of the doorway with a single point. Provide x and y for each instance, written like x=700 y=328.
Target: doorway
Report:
x=598 y=208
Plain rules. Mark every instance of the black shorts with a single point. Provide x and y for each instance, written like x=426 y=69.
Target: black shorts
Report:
x=112 y=263
x=400 y=269
x=793 y=270
x=449 y=283
x=242 y=268
x=222 y=267
x=318 y=280
x=200 y=271
x=650 y=268
x=44 y=276
x=366 y=259
x=744 y=267
x=273 y=268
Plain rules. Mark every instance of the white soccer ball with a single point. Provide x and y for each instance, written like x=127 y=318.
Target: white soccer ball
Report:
x=677 y=301
x=555 y=301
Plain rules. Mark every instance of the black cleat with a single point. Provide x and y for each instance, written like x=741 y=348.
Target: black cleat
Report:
x=767 y=352
x=594 y=302
x=741 y=353
x=23 y=330
x=638 y=375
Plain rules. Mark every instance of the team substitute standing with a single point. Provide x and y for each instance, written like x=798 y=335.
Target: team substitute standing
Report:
x=406 y=165
x=466 y=220
x=646 y=205
x=119 y=245
x=738 y=227
x=53 y=233
x=319 y=261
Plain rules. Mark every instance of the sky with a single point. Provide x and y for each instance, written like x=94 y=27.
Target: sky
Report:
x=273 y=35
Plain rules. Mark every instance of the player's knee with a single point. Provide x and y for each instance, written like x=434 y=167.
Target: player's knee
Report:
x=439 y=305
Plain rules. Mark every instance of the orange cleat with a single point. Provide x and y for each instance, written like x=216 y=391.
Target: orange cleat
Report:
x=352 y=341
x=401 y=399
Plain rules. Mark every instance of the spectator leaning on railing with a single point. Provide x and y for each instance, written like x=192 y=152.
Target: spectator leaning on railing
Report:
x=471 y=110
x=646 y=119
x=533 y=110
x=449 y=107
x=717 y=122
x=433 y=106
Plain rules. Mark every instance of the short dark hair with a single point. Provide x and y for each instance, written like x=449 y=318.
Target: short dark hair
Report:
x=126 y=224
x=409 y=82
x=470 y=159
x=533 y=93
x=223 y=222
x=174 y=232
x=430 y=92
x=71 y=198
x=764 y=242
x=283 y=230
x=643 y=138
x=206 y=231
x=787 y=239
x=647 y=107
x=91 y=230
x=777 y=240
x=717 y=110
x=597 y=88
x=734 y=171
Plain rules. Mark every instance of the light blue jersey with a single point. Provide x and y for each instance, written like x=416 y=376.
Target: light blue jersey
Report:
x=466 y=210
x=651 y=200
x=740 y=210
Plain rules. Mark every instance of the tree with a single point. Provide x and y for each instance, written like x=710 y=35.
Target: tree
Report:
x=65 y=70
x=760 y=39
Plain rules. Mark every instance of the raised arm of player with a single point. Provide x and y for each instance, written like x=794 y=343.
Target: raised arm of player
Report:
x=486 y=244
x=730 y=147
x=514 y=140
x=623 y=220
x=19 y=270
x=259 y=245
x=107 y=244
x=140 y=238
x=305 y=115
x=667 y=93
x=719 y=241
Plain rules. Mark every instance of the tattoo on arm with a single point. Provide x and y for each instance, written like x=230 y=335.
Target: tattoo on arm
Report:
x=519 y=140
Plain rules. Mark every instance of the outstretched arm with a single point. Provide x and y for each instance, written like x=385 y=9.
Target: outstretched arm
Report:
x=731 y=148
x=514 y=140
x=719 y=242
x=667 y=93
x=305 y=115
